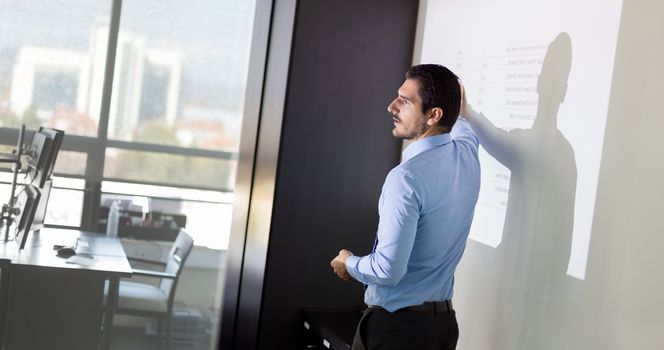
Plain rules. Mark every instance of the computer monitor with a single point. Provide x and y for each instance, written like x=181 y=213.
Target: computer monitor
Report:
x=27 y=200
x=16 y=158
x=47 y=157
x=56 y=137
x=37 y=153
x=40 y=212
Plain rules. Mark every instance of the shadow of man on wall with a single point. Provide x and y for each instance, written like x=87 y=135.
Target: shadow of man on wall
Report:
x=535 y=249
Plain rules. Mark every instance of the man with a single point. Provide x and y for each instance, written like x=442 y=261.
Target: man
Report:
x=426 y=208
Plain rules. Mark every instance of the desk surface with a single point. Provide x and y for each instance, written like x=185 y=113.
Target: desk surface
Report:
x=61 y=301
x=105 y=254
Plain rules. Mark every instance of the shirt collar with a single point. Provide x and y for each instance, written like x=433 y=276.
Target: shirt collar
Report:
x=424 y=145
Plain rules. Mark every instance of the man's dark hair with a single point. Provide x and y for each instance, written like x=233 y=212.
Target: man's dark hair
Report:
x=439 y=87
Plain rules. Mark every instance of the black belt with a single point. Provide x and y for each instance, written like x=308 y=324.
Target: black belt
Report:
x=429 y=306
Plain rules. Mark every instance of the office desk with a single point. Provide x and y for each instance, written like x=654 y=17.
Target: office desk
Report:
x=50 y=303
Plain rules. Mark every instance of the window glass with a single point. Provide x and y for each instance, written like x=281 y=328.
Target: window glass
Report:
x=181 y=70
x=65 y=201
x=179 y=81
x=68 y=183
x=165 y=168
x=65 y=207
x=52 y=63
x=71 y=163
x=167 y=192
x=5 y=191
x=207 y=217
x=6 y=149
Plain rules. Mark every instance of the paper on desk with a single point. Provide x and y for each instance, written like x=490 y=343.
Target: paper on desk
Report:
x=82 y=260
x=82 y=244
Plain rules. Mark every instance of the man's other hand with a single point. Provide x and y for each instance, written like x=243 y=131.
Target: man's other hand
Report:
x=339 y=265
x=466 y=110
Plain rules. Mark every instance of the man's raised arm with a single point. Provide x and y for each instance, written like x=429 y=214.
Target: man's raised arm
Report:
x=495 y=140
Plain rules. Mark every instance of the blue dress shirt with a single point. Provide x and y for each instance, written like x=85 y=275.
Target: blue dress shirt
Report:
x=425 y=208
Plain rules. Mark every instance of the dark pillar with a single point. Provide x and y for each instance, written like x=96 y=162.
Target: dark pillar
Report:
x=348 y=60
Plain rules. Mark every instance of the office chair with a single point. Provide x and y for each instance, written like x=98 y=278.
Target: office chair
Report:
x=156 y=301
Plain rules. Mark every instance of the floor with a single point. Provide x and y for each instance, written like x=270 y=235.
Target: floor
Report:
x=130 y=339
x=191 y=331
x=137 y=339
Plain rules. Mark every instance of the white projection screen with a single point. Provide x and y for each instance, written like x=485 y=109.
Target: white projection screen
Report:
x=565 y=251
x=497 y=49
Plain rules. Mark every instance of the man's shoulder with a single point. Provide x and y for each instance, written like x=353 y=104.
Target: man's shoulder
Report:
x=411 y=171
x=424 y=161
x=404 y=172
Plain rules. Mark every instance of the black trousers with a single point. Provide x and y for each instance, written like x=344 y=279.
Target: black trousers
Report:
x=381 y=330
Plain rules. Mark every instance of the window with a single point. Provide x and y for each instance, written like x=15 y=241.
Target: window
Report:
x=164 y=138
x=52 y=64
x=203 y=208
x=169 y=168
x=65 y=203
x=175 y=110
x=181 y=69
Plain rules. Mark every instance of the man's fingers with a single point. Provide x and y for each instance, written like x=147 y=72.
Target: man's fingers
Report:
x=339 y=269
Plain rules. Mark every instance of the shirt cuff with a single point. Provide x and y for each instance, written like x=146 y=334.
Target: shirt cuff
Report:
x=351 y=266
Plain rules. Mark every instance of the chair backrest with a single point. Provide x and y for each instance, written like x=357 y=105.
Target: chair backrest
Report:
x=176 y=258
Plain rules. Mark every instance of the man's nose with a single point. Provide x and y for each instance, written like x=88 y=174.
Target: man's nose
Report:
x=392 y=109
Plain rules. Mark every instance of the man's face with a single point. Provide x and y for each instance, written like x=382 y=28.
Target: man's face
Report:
x=406 y=109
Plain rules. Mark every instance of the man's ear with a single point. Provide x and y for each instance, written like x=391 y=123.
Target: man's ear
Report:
x=435 y=116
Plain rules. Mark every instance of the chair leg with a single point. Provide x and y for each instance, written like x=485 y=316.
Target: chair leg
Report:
x=164 y=333
x=160 y=333
x=169 y=332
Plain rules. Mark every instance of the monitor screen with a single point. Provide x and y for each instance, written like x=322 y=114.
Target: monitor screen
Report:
x=40 y=212
x=37 y=154
x=42 y=153
x=55 y=136
x=27 y=201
